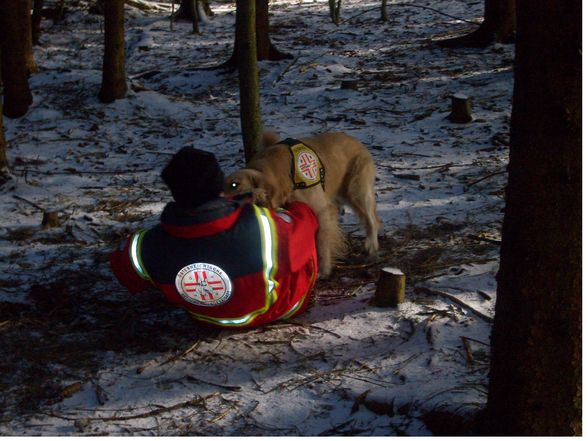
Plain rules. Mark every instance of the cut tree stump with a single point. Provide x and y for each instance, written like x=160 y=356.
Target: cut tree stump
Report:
x=351 y=84
x=50 y=219
x=391 y=287
x=461 y=109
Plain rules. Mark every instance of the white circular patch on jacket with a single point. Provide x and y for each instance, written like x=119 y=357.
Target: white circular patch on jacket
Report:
x=204 y=284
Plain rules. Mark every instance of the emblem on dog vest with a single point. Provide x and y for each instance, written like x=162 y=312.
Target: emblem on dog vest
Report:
x=204 y=284
x=307 y=168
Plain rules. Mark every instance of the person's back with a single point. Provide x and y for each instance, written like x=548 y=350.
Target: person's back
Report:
x=229 y=263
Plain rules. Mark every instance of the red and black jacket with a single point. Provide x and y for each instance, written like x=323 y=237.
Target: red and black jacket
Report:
x=229 y=264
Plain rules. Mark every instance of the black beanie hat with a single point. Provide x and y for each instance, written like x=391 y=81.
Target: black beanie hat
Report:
x=193 y=176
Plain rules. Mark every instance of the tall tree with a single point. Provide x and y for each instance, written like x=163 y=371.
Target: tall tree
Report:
x=266 y=50
x=535 y=375
x=248 y=77
x=114 y=84
x=498 y=26
x=4 y=171
x=17 y=94
x=25 y=19
x=36 y=18
x=186 y=12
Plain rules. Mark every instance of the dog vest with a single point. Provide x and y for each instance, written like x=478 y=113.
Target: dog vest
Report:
x=307 y=168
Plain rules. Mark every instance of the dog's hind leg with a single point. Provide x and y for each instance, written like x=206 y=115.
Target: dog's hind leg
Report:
x=361 y=196
x=331 y=244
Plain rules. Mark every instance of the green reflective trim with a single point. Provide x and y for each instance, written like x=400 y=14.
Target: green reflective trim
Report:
x=135 y=254
x=269 y=251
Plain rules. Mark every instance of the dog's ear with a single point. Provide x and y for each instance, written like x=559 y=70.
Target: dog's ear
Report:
x=269 y=138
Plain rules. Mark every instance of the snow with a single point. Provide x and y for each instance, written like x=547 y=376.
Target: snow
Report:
x=81 y=356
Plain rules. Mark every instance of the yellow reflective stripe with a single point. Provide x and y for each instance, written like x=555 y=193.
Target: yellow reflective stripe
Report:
x=269 y=252
x=135 y=254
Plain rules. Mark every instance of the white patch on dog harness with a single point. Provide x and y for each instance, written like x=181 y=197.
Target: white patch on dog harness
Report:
x=204 y=284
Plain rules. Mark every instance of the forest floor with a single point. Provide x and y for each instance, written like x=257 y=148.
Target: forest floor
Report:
x=79 y=355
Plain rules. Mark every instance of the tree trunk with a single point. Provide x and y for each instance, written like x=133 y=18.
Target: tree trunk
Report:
x=114 y=85
x=248 y=77
x=25 y=19
x=36 y=20
x=17 y=94
x=185 y=10
x=535 y=375
x=4 y=170
x=265 y=48
x=498 y=26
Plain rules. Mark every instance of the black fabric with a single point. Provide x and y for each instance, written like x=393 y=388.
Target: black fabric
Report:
x=193 y=177
x=175 y=214
x=237 y=251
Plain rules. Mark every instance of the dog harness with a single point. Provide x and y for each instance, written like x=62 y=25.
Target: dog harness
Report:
x=307 y=168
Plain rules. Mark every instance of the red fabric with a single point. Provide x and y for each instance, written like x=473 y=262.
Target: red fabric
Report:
x=121 y=265
x=296 y=275
x=202 y=230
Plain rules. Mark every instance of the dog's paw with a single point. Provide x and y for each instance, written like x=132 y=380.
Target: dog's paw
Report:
x=371 y=248
x=260 y=197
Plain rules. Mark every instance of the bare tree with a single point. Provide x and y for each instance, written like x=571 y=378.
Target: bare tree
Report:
x=185 y=11
x=36 y=18
x=114 y=85
x=4 y=171
x=536 y=364
x=498 y=26
x=17 y=94
x=248 y=77
x=266 y=50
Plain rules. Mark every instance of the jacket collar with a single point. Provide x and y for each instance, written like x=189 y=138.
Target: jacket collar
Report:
x=207 y=219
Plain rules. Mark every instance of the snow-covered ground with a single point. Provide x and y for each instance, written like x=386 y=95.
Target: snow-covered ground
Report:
x=81 y=356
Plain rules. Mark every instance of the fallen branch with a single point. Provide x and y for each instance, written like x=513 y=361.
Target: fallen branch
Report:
x=484 y=239
x=198 y=401
x=471 y=184
x=468 y=350
x=428 y=291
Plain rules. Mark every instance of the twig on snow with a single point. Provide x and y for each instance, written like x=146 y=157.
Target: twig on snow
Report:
x=428 y=291
x=195 y=402
x=477 y=181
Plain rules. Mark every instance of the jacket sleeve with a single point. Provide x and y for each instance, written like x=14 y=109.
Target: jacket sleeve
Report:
x=122 y=267
x=297 y=226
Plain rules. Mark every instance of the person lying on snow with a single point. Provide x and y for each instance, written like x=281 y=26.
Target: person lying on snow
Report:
x=229 y=263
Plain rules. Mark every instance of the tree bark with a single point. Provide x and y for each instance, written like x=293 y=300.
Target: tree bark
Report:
x=266 y=50
x=4 y=170
x=25 y=19
x=36 y=20
x=248 y=78
x=498 y=26
x=535 y=375
x=114 y=85
x=185 y=10
x=17 y=94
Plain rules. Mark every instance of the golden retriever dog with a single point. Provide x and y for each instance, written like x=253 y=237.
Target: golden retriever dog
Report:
x=348 y=176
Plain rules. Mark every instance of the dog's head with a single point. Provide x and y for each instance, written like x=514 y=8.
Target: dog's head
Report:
x=249 y=181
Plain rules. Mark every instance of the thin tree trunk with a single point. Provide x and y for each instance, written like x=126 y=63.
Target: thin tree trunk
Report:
x=248 y=77
x=536 y=370
x=25 y=12
x=195 y=16
x=4 y=170
x=266 y=50
x=17 y=94
x=36 y=20
x=114 y=85
x=498 y=26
